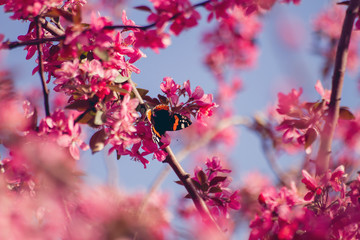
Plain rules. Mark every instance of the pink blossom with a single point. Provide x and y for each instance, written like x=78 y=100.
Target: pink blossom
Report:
x=152 y=38
x=311 y=184
x=213 y=188
x=170 y=88
x=67 y=74
x=281 y=217
x=214 y=165
x=186 y=17
x=148 y=146
x=290 y=132
x=11 y=118
x=324 y=93
x=228 y=91
x=2 y=44
x=67 y=133
x=229 y=47
x=261 y=226
x=206 y=106
x=354 y=192
x=72 y=139
x=288 y=104
x=31 y=35
x=28 y=9
x=336 y=178
x=71 y=5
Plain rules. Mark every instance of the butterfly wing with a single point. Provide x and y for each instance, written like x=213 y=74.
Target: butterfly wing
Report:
x=163 y=120
x=179 y=122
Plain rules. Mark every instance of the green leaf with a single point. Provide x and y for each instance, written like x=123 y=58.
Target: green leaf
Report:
x=121 y=78
x=310 y=137
x=102 y=54
x=86 y=118
x=99 y=118
x=97 y=141
x=319 y=105
x=345 y=114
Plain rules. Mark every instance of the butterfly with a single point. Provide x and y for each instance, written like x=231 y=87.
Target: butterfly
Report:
x=162 y=120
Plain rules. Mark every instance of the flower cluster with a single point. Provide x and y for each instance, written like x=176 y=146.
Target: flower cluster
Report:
x=212 y=185
x=280 y=215
x=232 y=42
x=129 y=133
x=180 y=11
x=92 y=64
x=328 y=212
x=198 y=104
x=28 y=9
x=64 y=131
x=302 y=121
x=43 y=198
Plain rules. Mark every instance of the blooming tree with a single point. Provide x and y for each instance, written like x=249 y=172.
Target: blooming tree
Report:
x=90 y=66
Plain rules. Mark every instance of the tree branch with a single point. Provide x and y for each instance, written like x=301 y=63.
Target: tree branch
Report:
x=186 y=180
x=323 y=157
x=180 y=156
x=60 y=35
x=41 y=70
x=11 y=45
x=54 y=30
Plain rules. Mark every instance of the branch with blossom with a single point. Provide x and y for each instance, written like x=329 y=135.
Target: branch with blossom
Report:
x=92 y=64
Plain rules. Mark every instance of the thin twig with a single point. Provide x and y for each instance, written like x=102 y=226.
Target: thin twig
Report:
x=238 y=120
x=54 y=30
x=135 y=91
x=323 y=157
x=11 y=45
x=41 y=70
x=180 y=156
x=187 y=182
x=271 y=160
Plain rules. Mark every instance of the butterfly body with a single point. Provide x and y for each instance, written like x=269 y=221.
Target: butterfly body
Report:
x=162 y=120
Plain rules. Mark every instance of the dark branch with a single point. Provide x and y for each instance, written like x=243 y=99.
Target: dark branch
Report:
x=323 y=157
x=41 y=70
